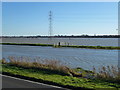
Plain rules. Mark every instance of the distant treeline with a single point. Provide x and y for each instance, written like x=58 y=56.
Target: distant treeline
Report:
x=62 y=36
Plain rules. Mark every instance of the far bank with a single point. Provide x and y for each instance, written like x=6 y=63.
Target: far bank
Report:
x=59 y=45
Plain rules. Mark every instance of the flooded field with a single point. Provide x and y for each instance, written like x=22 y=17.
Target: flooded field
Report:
x=71 y=41
x=73 y=57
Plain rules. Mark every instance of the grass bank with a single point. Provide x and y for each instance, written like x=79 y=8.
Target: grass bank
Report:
x=55 y=74
x=71 y=46
x=27 y=44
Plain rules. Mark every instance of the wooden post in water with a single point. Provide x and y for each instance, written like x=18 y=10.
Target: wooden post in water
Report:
x=59 y=44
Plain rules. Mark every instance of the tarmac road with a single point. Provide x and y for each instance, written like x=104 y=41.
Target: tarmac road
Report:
x=12 y=82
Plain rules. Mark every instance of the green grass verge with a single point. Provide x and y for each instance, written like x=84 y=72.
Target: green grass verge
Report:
x=72 y=46
x=94 y=47
x=28 y=44
x=56 y=79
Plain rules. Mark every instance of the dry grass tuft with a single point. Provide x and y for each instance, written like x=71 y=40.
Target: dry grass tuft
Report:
x=52 y=65
x=109 y=73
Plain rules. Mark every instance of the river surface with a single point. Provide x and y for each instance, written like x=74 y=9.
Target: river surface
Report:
x=72 y=57
x=70 y=41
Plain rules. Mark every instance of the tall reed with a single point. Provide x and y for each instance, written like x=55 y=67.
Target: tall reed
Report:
x=52 y=65
x=109 y=73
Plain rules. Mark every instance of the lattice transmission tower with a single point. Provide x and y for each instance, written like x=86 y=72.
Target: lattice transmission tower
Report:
x=50 y=33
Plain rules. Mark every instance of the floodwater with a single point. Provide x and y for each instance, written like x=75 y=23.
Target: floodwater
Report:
x=70 y=41
x=72 y=57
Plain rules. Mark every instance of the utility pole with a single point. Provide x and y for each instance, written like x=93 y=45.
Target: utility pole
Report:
x=50 y=33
